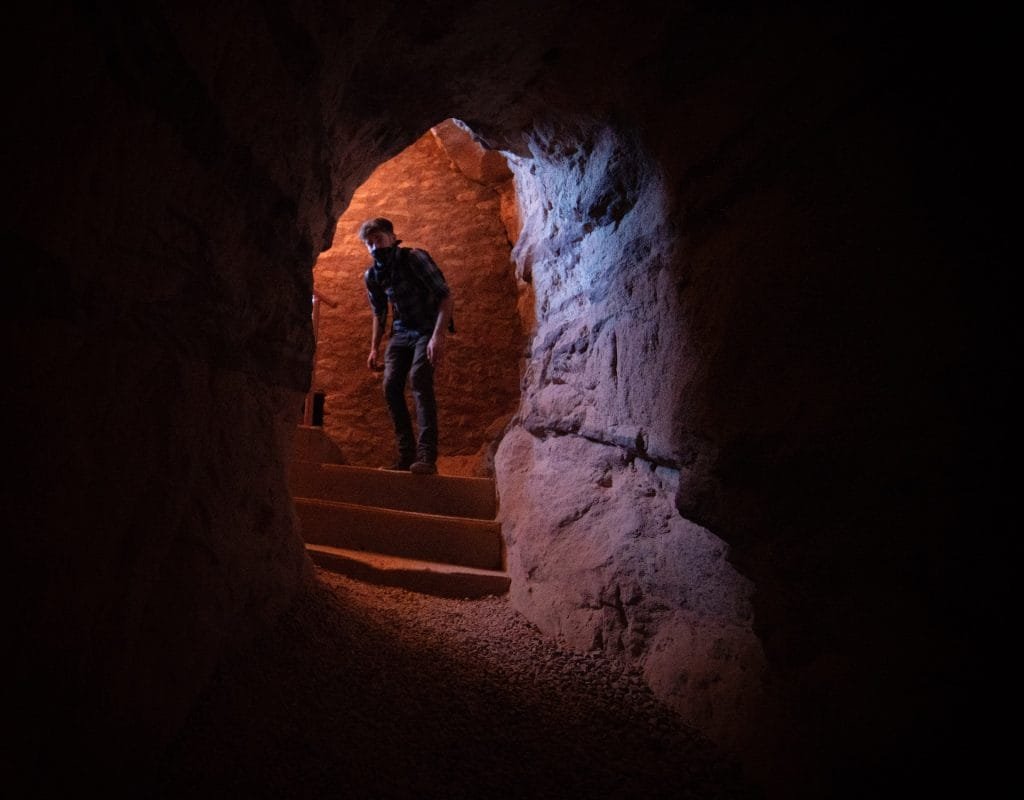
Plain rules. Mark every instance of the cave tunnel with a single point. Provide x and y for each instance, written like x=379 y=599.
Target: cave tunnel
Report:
x=731 y=454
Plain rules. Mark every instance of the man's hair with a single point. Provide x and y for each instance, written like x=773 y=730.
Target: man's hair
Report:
x=374 y=225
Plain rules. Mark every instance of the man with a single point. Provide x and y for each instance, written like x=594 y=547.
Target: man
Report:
x=407 y=280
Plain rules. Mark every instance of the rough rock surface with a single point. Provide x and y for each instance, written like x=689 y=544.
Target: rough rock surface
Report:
x=767 y=248
x=619 y=572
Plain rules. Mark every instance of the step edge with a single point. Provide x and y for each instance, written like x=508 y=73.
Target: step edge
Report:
x=432 y=578
x=398 y=512
x=469 y=480
x=404 y=563
x=456 y=541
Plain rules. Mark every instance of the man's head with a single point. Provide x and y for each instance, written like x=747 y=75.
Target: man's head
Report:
x=377 y=233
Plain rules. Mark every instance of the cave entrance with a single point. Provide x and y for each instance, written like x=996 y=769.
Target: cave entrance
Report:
x=451 y=197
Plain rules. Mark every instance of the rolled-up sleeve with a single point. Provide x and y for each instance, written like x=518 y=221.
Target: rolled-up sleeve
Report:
x=376 y=296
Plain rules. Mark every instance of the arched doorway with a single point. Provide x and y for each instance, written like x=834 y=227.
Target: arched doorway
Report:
x=451 y=197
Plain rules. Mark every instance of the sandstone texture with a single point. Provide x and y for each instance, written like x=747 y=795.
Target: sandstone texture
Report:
x=730 y=341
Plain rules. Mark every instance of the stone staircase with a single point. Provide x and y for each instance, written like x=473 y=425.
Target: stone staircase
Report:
x=435 y=534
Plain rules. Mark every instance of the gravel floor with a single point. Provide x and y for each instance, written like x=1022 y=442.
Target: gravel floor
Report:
x=375 y=692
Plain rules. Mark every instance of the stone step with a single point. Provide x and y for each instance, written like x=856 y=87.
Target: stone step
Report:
x=448 y=495
x=423 y=536
x=427 y=577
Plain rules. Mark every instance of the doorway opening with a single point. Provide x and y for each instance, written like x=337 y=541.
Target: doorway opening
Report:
x=448 y=195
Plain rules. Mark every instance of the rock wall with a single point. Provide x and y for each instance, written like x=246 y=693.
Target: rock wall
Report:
x=160 y=342
x=588 y=476
x=755 y=237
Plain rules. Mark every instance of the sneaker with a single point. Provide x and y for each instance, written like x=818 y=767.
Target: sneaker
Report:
x=399 y=466
x=423 y=468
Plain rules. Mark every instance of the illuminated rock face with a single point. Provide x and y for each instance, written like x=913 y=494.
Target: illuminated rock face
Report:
x=730 y=458
x=588 y=476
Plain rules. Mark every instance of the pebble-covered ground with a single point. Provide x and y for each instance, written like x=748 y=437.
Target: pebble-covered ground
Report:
x=376 y=692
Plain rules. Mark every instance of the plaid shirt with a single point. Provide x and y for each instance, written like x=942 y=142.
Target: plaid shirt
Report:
x=413 y=286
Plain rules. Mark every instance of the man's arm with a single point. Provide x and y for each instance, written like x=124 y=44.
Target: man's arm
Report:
x=435 y=347
x=379 y=306
x=377 y=335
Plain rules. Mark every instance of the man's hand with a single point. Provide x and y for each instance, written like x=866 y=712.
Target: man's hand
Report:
x=371 y=360
x=435 y=347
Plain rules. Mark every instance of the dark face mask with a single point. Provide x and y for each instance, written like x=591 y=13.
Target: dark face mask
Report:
x=383 y=256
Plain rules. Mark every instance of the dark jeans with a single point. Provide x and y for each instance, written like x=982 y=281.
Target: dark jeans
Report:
x=406 y=358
